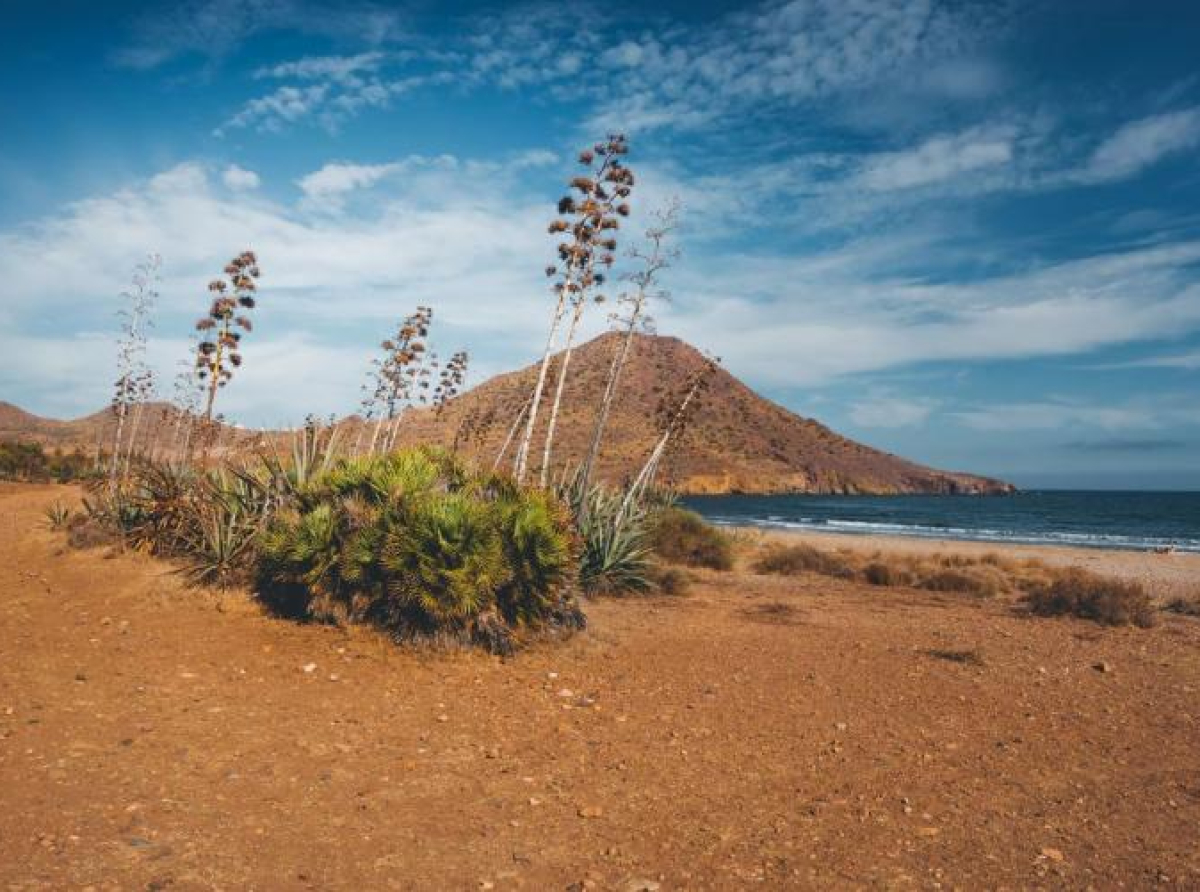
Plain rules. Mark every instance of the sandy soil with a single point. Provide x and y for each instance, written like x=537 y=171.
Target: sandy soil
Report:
x=756 y=733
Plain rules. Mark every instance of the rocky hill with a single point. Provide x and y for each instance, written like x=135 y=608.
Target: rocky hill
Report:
x=738 y=441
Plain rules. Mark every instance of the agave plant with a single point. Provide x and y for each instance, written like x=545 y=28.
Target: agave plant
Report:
x=57 y=516
x=616 y=543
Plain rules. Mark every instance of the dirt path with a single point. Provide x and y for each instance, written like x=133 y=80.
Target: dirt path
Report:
x=757 y=733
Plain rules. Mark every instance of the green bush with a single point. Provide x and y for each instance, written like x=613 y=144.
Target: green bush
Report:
x=684 y=537
x=417 y=544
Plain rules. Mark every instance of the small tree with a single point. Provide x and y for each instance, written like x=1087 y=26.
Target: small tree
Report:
x=589 y=220
x=218 y=352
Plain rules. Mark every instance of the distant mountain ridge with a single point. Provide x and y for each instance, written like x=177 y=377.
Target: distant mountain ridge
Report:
x=738 y=442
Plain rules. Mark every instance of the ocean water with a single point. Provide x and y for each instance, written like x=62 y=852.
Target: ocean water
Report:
x=1129 y=520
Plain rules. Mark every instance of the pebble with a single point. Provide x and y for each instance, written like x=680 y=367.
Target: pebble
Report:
x=1052 y=854
x=1103 y=667
x=590 y=811
x=309 y=667
x=566 y=693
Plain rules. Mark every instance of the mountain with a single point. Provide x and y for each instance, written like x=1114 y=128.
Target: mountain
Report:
x=736 y=442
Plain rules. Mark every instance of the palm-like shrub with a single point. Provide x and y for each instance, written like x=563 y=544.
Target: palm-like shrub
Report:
x=417 y=543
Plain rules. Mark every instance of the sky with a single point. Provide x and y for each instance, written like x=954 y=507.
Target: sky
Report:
x=967 y=233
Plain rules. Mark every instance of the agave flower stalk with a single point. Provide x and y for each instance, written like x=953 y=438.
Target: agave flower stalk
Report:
x=589 y=220
x=673 y=422
x=131 y=349
x=512 y=432
x=218 y=352
x=143 y=392
x=656 y=257
x=399 y=375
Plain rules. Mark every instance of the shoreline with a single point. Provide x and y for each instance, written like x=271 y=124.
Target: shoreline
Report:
x=1176 y=574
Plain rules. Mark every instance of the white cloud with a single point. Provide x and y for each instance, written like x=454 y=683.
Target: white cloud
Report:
x=939 y=158
x=237 y=178
x=321 y=67
x=214 y=29
x=336 y=178
x=892 y=411
x=1143 y=143
x=1156 y=413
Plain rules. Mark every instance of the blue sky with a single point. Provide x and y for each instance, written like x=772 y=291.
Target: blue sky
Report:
x=968 y=233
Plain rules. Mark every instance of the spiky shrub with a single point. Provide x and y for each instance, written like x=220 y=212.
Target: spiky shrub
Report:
x=616 y=543
x=419 y=544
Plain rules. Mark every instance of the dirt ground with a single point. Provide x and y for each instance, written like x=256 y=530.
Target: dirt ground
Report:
x=754 y=733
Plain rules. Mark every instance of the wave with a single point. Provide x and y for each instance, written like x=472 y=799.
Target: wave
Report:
x=922 y=531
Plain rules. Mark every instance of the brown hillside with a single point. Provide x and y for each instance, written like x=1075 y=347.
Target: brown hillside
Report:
x=739 y=442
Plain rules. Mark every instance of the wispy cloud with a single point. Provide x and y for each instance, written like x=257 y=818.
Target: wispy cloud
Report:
x=938 y=159
x=1142 y=143
x=884 y=411
x=1160 y=412
x=213 y=29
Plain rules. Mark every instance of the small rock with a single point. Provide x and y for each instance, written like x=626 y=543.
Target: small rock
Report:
x=590 y=811
x=841 y=726
x=1103 y=667
x=309 y=668
x=566 y=693
x=492 y=752
x=333 y=676
x=1052 y=854
x=928 y=831
x=443 y=718
x=486 y=884
x=640 y=885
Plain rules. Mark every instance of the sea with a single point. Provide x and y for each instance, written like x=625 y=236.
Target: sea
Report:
x=1138 y=521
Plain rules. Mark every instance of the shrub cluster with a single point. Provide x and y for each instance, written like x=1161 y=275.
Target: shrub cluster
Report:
x=413 y=542
x=1049 y=591
x=1077 y=592
x=30 y=463
x=684 y=537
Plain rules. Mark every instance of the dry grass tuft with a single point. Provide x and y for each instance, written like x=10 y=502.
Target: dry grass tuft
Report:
x=1076 y=592
x=669 y=580
x=963 y=657
x=684 y=537
x=1050 y=591
x=774 y=613
x=1184 y=606
x=788 y=560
